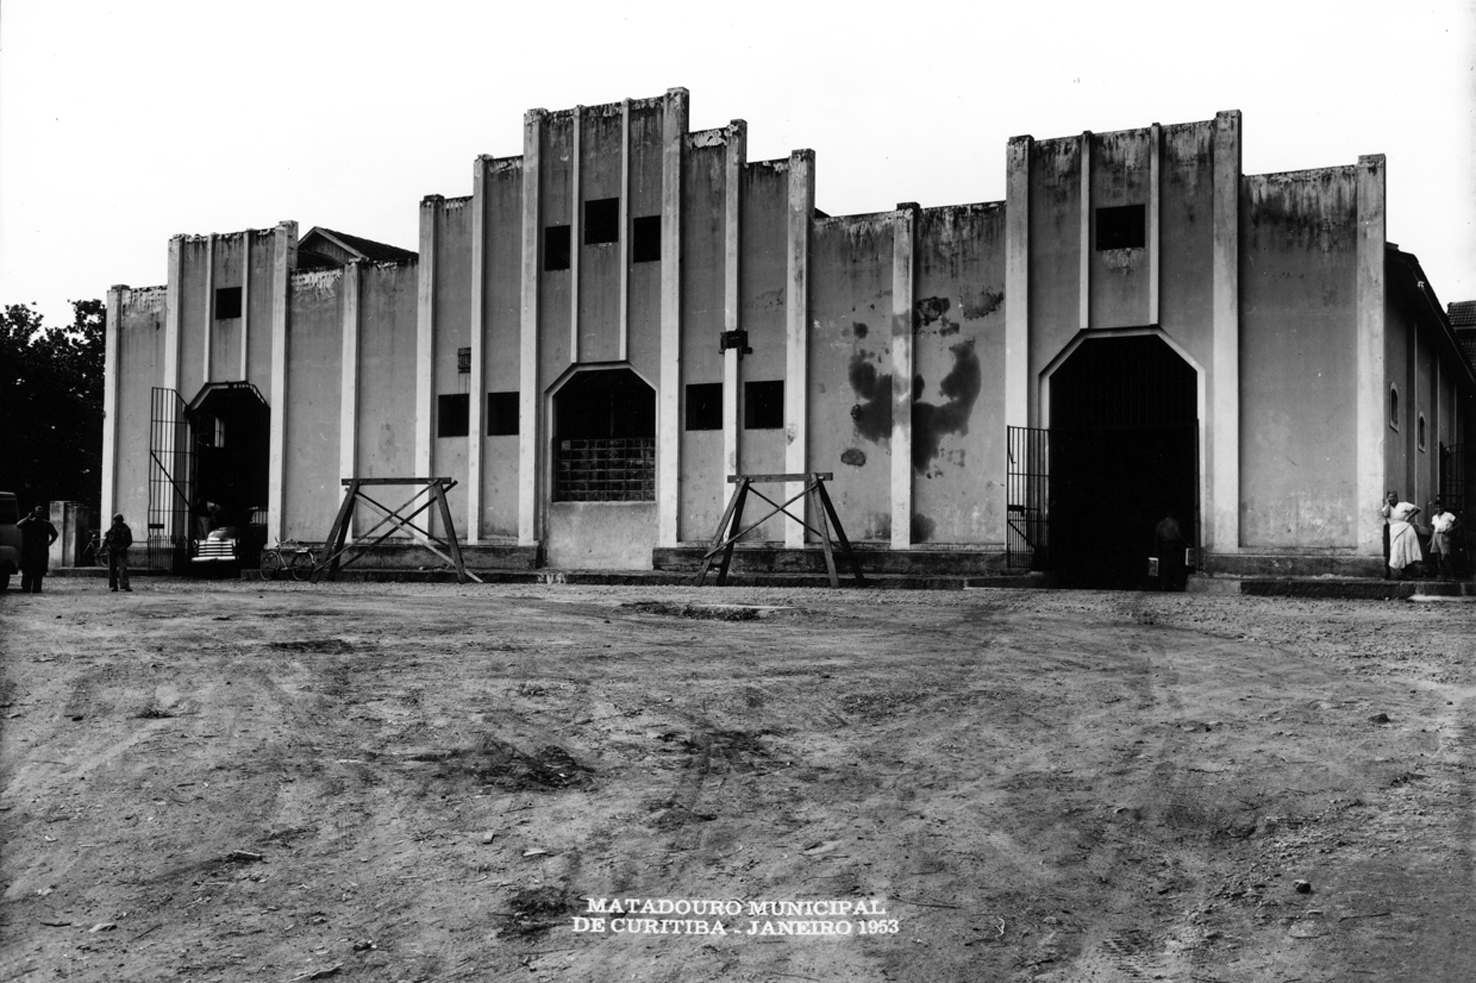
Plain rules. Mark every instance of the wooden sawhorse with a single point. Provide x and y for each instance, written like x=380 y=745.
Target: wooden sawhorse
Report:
x=336 y=547
x=814 y=493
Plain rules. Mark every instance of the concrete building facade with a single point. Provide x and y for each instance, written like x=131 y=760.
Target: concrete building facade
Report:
x=619 y=318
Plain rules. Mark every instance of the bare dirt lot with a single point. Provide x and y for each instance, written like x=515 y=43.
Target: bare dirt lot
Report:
x=397 y=782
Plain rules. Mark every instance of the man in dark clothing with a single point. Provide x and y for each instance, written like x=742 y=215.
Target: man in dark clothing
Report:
x=37 y=535
x=1169 y=545
x=115 y=544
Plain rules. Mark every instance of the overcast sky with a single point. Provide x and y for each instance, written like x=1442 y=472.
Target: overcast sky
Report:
x=122 y=124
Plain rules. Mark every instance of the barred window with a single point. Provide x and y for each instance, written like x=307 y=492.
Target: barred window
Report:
x=605 y=438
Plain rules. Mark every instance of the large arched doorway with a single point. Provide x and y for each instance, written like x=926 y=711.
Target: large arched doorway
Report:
x=1124 y=454
x=602 y=513
x=230 y=425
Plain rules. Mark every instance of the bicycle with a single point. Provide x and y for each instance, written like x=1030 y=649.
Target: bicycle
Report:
x=297 y=560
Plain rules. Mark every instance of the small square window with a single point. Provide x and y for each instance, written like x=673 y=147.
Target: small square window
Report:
x=502 y=414
x=1121 y=227
x=452 y=411
x=556 y=247
x=705 y=406
x=763 y=405
x=601 y=221
x=645 y=239
x=227 y=302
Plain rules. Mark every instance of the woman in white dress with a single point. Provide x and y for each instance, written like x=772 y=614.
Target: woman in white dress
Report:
x=1404 y=539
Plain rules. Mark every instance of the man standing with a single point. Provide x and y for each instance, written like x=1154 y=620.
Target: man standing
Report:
x=37 y=535
x=1441 y=524
x=115 y=544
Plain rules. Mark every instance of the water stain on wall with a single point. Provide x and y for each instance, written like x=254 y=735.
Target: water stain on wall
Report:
x=934 y=309
x=854 y=456
x=932 y=421
x=873 y=415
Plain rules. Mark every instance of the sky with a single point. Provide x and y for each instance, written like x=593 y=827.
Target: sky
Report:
x=123 y=124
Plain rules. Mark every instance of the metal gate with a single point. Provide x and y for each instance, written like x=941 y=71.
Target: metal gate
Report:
x=171 y=459
x=1027 y=493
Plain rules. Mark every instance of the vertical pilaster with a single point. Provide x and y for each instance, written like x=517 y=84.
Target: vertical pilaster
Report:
x=284 y=259
x=737 y=156
x=797 y=329
x=668 y=422
x=530 y=425
x=1084 y=258
x=576 y=229
x=624 y=327
x=1223 y=505
x=425 y=333
x=246 y=304
x=172 y=314
x=1155 y=207
x=477 y=410
x=1017 y=282
x=904 y=299
x=207 y=321
x=112 y=349
x=348 y=405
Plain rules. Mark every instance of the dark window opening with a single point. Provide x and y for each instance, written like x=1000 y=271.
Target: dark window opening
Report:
x=452 y=411
x=1122 y=227
x=763 y=405
x=502 y=414
x=705 y=406
x=601 y=221
x=645 y=239
x=1393 y=409
x=227 y=302
x=1420 y=431
x=556 y=247
x=605 y=438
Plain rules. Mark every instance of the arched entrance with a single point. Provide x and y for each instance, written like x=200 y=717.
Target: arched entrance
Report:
x=1124 y=454
x=230 y=427
x=602 y=513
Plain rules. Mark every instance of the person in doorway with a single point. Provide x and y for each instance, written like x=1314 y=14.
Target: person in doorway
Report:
x=1387 y=510
x=115 y=544
x=37 y=535
x=1404 y=540
x=1442 y=524
x=1169 y=546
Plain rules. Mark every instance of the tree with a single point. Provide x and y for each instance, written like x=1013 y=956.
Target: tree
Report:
x=51 y=405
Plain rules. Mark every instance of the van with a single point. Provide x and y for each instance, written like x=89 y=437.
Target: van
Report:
x=10 y=538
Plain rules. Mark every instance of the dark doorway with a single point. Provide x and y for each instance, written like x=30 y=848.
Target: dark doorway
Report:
x=1124 y=454
x=231 y=428
x=605 y=438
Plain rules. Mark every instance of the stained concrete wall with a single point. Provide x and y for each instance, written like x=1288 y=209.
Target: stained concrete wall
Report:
x=1298 y=367
x=452 y=304
x=703 y=249
x=1120 y=175
x=1186 y=228
x=385 y=431
x=601 y=132
x=763 y=210
x=311 y=486
x=140 y=338
x=958 y=433
x=1055 y=251
x=850 y=383
x=504 y=192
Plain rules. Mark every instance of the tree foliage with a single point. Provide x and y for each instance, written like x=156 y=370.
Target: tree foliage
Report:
x=51 y=405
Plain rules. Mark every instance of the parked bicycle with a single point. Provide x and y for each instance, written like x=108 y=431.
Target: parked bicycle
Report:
x=294 y=559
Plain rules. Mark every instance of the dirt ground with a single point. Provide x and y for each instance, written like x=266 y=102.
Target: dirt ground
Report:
x=392 y=782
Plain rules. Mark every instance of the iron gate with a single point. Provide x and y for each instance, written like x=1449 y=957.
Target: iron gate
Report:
x=1027 y=493
x=171 y=459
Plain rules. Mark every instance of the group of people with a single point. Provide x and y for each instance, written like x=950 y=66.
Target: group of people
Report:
x=37 y=535
x=1403 y=554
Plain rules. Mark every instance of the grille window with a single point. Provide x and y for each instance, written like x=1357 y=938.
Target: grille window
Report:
x=605 y=443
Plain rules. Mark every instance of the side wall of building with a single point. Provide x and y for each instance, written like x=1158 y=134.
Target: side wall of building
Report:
x=1299 y=370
